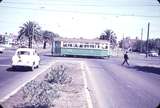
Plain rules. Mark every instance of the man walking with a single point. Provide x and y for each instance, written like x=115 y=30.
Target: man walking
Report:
x=125 y=58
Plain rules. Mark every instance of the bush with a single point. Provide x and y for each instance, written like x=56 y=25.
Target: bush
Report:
x=27 y=105
x=58 y=75
x=38 y=95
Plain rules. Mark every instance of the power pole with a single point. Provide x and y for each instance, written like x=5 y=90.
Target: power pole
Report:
x=141 y=39
x=147 y=39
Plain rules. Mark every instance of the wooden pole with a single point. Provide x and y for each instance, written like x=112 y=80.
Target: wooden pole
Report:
x=147 y=39
x=141 y=40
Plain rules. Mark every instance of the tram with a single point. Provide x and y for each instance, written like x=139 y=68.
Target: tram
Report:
x=81 y=47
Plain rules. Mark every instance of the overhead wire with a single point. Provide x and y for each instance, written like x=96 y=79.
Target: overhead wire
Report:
x=81 y=12
x=68 y=11
x=79 y=4
x=61 y=3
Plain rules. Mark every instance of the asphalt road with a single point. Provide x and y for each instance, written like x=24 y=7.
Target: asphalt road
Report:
x=10 y=79
x=110 y=84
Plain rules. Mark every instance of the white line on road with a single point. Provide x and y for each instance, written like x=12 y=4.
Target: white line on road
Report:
x=22 y=85
x=89 y=100
x=5 y=65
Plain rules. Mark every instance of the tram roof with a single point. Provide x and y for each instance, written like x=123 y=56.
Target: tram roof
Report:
x=81 y=40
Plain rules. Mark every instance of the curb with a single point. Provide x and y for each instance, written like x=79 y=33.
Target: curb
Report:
x=88 y=96
x=22 y=85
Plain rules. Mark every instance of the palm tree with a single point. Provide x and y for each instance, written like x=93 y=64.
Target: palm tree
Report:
x=48 y=36
x=31 y=31
x=110 y=36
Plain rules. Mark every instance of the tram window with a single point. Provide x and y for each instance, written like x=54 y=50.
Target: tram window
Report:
x=64 y=45
x=75 y=45
x=70 y=45
x=81 y=46
x=86 y=46
x=106 y=47
x=97 y=45
x=91 y=46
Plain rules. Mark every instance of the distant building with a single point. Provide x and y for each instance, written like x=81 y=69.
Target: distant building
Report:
x=8 y=39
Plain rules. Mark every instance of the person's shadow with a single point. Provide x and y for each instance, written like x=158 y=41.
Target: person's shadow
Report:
x=1 y=106
x=158 y=106
x=148 y=69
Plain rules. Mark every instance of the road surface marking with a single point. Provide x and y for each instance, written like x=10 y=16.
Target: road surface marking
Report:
x=5 y=65
x=22 y=85
x=89 y=100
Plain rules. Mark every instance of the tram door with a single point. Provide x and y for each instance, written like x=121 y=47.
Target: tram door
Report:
x=58 y=47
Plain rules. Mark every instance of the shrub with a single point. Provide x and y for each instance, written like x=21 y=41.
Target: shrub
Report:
x=27 y=105
x=38 y=95
x=58 y=75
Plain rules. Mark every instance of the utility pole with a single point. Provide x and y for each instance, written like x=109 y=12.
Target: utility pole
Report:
x=147 y=39
x=141 y=39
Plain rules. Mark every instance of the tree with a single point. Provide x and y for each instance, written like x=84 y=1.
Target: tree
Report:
x=139 y=46
x=31 y=31
x=125 y=43
x=110 y=36
x=48 y=36
x=158 y=1
x=157 y=43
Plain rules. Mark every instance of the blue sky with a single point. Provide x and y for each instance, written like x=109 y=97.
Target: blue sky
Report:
x=83 y=18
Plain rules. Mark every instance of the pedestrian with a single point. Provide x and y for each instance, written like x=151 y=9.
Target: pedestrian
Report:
x=125 y=59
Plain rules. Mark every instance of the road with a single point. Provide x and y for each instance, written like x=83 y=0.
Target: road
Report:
x=110 y=84
x=9 y=79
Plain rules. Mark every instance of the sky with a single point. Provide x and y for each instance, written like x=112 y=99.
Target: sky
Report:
x=83 y=18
